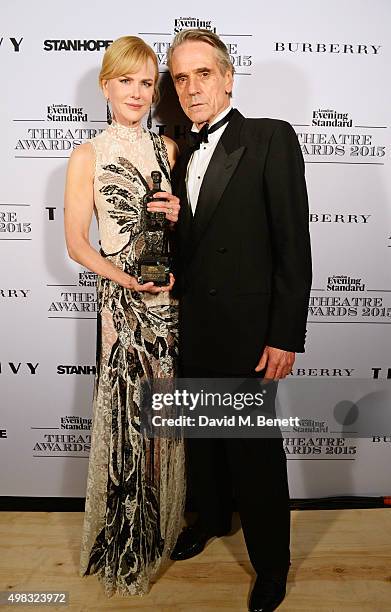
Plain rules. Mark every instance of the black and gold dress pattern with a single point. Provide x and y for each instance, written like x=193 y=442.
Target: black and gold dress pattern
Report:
x=135 y=486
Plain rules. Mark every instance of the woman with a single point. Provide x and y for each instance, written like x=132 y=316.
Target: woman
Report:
x=135 y=487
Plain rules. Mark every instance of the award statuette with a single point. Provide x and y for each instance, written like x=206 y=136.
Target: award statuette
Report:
x=154 y=262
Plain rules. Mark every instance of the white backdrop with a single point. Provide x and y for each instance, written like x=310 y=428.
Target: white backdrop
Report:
x=323 y=69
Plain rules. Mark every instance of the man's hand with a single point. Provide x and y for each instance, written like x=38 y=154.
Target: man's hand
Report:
x=279 y=363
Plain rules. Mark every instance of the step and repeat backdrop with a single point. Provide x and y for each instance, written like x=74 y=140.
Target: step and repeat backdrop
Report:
x=326 y=71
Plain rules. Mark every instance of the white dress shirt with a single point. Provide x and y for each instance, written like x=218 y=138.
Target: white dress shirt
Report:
x=200 y=159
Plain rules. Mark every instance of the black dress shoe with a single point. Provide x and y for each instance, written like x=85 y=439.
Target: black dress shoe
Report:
x=192 y=541
x=267 y=594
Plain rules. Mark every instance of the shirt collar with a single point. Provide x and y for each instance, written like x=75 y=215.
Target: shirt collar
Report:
x=215 y=120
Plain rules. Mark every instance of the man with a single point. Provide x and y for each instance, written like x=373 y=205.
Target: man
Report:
x=244 y=272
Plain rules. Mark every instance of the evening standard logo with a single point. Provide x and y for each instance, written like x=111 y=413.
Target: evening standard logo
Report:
x=53 y=140
x=331 y=118
x=184 y=23
x=65 y=112
x=76 y=44
x=87 y=279
x=238 y=56
x=333 y=138
x=78 y=370
x=311 y=426
x=344 y=283
x=349 y=298
x=76 y=438
x=75 y=422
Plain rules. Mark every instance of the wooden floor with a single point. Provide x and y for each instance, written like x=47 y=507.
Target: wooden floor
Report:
x=341 y=561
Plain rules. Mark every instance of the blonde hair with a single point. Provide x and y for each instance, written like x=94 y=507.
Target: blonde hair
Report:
x=205 y=36
x=126 y=55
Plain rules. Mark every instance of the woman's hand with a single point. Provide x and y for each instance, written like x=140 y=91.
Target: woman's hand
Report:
x=148 y=287
x=170 y=206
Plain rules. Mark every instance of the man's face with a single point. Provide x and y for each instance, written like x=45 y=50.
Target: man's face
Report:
x=201 y=87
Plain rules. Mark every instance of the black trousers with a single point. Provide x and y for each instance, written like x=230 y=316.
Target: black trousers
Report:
x=252 y=471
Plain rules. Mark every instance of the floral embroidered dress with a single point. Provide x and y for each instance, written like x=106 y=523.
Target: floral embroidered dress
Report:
x=135 y=486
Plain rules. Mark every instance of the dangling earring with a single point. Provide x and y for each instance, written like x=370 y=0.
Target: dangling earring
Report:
x=108 y=113
x=149 y=120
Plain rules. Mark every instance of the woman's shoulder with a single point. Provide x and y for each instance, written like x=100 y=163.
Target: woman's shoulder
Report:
x=84 y=151
x=83 y=156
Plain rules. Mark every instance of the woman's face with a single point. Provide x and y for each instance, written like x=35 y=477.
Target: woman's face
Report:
x=131 y=95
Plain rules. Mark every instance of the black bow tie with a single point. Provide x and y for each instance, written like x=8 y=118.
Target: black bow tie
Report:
x=196 y=138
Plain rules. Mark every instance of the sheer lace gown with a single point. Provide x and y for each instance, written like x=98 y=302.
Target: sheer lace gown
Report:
x=135 y=487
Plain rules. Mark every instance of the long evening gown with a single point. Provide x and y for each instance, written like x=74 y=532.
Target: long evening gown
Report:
x=136 y=486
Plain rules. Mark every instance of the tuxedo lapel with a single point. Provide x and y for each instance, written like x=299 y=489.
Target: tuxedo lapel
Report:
x=219 y=172
x=222 y=166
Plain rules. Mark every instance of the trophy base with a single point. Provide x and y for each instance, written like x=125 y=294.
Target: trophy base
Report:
x=154 y=270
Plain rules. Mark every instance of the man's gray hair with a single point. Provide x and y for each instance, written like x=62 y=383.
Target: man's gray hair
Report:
x=208 y=37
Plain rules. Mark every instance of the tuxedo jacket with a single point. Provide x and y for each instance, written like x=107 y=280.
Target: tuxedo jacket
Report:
x=243 y=261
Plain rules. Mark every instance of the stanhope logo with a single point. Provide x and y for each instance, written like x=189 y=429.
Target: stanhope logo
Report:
x=184 y=23
x=75 y=45
x=87 y=370
x=344 y=283
x=64 y=112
